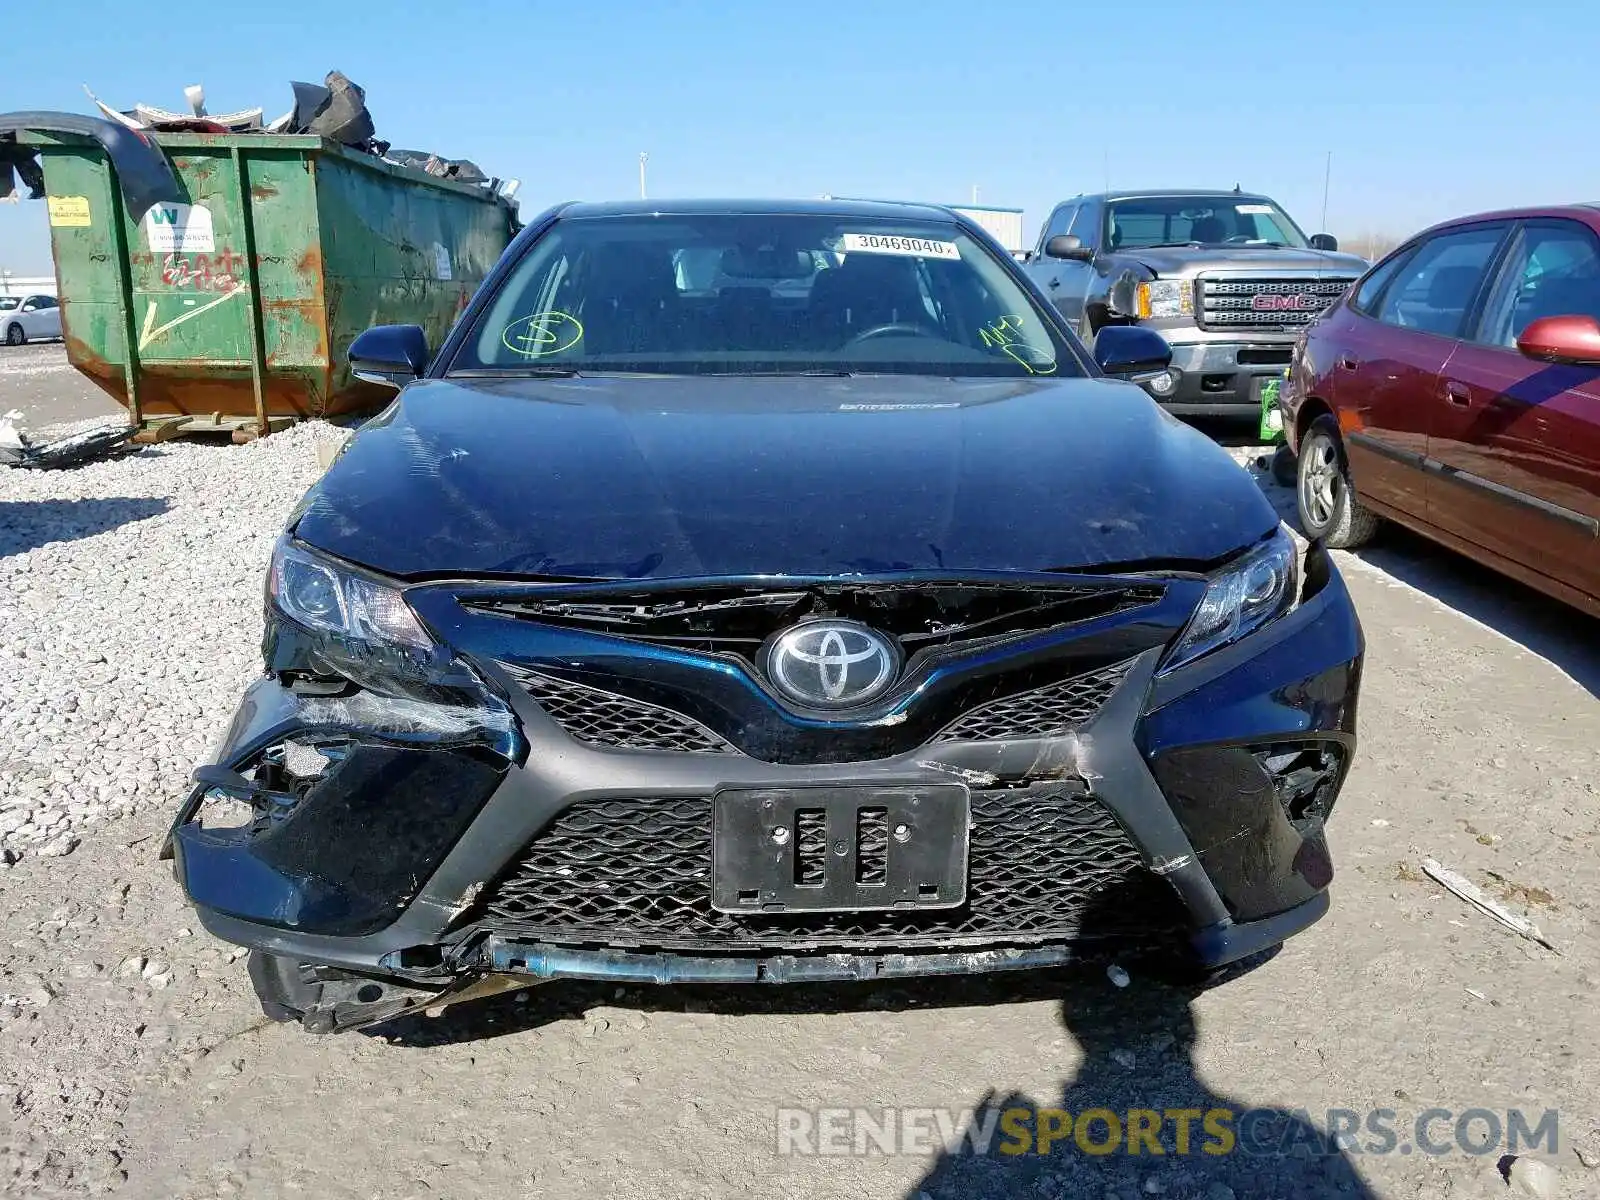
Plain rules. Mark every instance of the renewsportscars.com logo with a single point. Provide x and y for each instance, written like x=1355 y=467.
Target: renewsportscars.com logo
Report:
x=1262 y=1132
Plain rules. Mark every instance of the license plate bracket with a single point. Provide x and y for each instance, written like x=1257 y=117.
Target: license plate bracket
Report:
x=839 y=849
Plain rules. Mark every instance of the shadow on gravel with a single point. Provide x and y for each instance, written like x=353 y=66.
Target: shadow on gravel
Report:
x=29 y=524
x=1137 y=1119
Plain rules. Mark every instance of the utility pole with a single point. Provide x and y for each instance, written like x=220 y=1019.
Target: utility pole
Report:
x=1327 y=175
x=643 y=157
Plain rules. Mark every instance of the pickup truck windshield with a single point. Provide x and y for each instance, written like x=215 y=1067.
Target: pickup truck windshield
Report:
x=710 y=294
x=1200 y=220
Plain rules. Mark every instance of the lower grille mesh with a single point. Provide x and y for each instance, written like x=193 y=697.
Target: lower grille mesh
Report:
x=1045 y=865
x=606 y=719
x=1044 y=712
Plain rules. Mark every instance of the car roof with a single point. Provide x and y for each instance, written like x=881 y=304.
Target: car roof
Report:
x=1175 y=194
x=1588 y=212
x=882 y=209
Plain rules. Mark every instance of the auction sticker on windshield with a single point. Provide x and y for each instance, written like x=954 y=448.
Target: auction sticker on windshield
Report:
x=882 y=243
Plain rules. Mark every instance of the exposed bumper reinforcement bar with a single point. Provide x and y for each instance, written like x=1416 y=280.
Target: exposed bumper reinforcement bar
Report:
x=1214 y=946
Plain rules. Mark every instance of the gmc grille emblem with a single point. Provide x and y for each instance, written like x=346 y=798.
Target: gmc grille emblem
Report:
x=1296 y=302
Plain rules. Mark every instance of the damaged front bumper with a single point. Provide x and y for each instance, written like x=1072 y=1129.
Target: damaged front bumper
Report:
x=375 y=846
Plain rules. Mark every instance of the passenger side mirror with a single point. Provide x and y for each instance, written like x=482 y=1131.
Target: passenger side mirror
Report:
x=1132 y=352
x=1068 y=246
x=1324 y=241
x=1570 y=339
x=392 y=355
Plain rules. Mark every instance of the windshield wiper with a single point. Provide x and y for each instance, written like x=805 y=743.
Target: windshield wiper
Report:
x=819 y=373
x=530 y=371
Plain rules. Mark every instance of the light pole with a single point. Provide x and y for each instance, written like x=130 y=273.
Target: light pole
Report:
x=643 y=157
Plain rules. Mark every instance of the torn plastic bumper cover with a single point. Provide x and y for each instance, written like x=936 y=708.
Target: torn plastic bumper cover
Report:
x=362 y=838
x=328 y=813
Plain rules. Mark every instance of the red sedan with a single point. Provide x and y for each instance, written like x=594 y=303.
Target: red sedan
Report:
x=1455 y=389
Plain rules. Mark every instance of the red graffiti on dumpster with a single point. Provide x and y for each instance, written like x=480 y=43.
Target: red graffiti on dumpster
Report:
x=198 y=272
x=202 y=272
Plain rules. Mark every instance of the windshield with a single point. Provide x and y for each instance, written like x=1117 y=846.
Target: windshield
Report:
x=9 y=302
x=1201 y=220
x=762 y=294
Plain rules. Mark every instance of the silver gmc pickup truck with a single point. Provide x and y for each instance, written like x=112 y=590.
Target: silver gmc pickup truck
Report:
x=1226 y=277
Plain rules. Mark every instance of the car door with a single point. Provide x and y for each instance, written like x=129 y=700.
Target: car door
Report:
x=1516 y=441
x=1387 y=367
x=1072 y=280
x=1046 y=271
x=49 y=317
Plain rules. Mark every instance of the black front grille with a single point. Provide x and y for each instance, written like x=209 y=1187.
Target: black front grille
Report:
x=1044 y=712
x=734 y=620
x=1046 y=864
x=1248 y=302
x=606 y=719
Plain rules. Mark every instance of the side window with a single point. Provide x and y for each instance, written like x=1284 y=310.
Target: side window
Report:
x=1367 y=293
x=1553 y=270
x=1085 y=225
x=1060 y=222
x=1433 y=292
x=47 y=301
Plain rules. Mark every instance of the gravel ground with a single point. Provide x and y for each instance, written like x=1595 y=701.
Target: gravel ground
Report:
x=37 y=380
x=130 y=596
x=134 y=1060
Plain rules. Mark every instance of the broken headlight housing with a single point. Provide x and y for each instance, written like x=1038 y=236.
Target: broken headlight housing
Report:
x=332 y=625
x=1242 y=597
x=326 y=596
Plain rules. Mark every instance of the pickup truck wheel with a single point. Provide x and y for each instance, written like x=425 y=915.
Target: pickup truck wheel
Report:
x=15 y=336
x=1328 y=506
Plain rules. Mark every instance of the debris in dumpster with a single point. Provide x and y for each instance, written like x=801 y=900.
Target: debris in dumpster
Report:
x=459 y=169
x=18 y=162
x=335 y=109
x=18 y=449
x=146 y=176
x=1474 y=895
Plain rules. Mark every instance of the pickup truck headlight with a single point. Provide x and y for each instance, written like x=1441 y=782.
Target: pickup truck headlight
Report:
x=1241 y=598
x=1166 y=298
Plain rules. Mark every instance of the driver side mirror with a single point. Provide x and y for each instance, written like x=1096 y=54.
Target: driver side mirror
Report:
x=392 y=355
x=1324 y=241
x=1069 y=246
x=1569 y=339
x=1132 y=352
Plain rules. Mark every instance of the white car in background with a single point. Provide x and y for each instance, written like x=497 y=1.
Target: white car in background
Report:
x=28 y=318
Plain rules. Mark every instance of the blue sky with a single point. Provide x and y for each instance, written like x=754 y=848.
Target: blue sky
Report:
x=1430 y=109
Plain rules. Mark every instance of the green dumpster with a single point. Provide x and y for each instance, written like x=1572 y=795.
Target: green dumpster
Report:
x=232 y=310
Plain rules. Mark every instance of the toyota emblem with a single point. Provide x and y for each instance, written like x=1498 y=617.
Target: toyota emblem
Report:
x=831 y=664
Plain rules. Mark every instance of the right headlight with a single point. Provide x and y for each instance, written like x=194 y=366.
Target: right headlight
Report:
x=1241 y=598
x=325 y=596
x=1166 y=298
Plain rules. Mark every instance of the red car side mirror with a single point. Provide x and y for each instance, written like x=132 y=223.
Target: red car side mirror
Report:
x=1571 y=339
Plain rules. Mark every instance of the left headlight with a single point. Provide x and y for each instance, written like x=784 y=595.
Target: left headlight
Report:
x=1241 y=598
x=328 y=597
x=1166 y=298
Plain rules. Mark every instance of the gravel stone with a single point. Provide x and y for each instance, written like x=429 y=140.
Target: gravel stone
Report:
x=1532 y=1177
x=124 y=585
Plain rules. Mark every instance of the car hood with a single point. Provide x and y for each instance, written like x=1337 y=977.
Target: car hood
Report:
x=654 y=477
x=1185 y=260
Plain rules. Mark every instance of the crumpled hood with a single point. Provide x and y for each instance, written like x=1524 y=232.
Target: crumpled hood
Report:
x=668 y=477
x=1182 y=260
